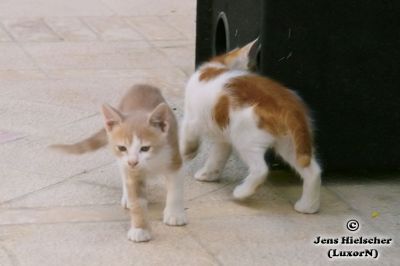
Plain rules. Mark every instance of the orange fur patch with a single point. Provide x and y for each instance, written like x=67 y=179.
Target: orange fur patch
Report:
x=280 y=110
x=210 y=73
x=221 y=111
x=227 y=58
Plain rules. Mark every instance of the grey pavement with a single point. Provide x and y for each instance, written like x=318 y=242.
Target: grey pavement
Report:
x=59 y=61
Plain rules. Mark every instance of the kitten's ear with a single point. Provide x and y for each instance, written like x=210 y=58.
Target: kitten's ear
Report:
x=245 y=50
x=111 y=116
x=159 y=117
x=242 y=58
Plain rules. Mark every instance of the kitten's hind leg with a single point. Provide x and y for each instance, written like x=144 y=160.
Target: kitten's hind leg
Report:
x=311 y=175
x=310 y=199
x=190 y=139
x=174 y=212
x=215 y=163
x=253 y=156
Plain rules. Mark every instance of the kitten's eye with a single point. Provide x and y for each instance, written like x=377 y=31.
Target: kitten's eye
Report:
x=145 y=148
x=121 y=148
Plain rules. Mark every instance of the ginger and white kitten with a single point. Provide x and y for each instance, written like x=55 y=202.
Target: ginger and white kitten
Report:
x=143 y=136
x=251 y=113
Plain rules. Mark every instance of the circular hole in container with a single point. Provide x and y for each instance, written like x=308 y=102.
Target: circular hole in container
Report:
x=221 y=35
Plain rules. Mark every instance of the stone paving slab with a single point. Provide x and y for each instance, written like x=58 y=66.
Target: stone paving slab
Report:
x=100 y=244
x=63 y=214
x=154 y=28
x=184 y=23
x=180 y=57
x=4 y=36
x=21 y=74
x=83 y=96
x=27 y=30
x=375 y=198
x=151 y=7
x=28 y=118
x=112 y=29
x=70 y=193
x=7 y=136
x=102 y=55
x=53 y=8
x=35 y=157
x=15 y=183
x=261 y=240
x=13 y=57
x=71 y=29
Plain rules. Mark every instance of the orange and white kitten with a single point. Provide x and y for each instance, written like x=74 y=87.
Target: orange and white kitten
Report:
x=251 y=113
x=143 y=136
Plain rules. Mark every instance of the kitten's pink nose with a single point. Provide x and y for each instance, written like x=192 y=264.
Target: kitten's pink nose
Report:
x=132 y=163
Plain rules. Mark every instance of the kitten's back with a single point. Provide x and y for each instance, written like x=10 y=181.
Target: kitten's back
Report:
x=141 y=97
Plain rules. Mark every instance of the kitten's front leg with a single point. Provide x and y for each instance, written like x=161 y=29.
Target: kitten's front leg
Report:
x=140 y=230
x=124 y=198
x=174 y=212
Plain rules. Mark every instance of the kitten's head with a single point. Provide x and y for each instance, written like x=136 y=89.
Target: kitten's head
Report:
x=243 y=58
x=139 y=139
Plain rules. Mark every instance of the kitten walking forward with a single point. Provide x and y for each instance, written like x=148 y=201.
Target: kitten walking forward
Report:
x=143 y=136
x=250 y=113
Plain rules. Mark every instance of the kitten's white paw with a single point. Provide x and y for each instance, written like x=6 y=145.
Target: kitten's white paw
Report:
x=125 y=203
x=139 y=234
x=307 y=206
x=175 y=218
x=243 y=191
x=204 y=175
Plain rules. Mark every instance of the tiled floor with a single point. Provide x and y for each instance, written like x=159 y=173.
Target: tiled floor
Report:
x=59 y=60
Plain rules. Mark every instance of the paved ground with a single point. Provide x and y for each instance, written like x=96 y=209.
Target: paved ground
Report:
x=59 y=60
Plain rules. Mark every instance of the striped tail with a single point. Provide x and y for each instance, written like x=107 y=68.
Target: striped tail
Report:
x=94 y=142
x=301 y=136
